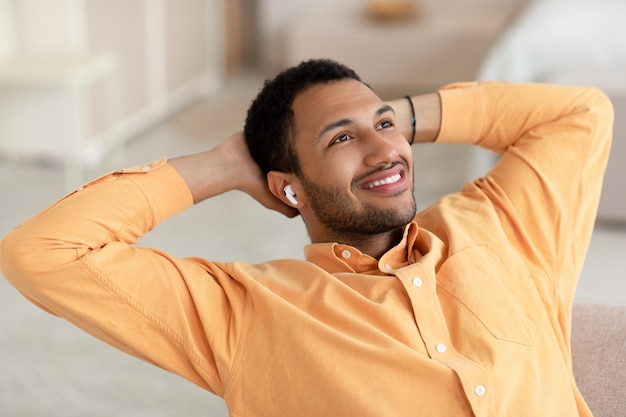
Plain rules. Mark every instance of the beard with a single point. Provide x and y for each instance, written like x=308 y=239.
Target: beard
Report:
x=335 y=210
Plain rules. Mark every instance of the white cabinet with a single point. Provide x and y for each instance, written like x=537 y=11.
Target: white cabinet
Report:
x=78 y=77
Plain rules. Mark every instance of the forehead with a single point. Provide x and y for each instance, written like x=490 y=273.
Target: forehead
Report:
x=324 y=103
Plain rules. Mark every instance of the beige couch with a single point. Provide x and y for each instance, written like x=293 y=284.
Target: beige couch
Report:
x=599 y=357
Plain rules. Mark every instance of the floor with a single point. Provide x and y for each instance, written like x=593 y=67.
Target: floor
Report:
x=48 y=368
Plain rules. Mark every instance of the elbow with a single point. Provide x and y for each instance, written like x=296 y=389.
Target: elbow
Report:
x=26 y=263
x=25 y=269
x=596 y=104
x=15 y=261
x=603 y=101
x=601 y=106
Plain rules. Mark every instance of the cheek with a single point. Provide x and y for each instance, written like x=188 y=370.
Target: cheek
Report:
x=333 y=169
x=332 y=178
x=337 y=171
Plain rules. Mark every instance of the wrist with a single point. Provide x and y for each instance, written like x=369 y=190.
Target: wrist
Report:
x=404 y=118
x=427 y=110
x=206 y=173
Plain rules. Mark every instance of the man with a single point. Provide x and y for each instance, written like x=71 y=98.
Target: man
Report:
x=462 y=309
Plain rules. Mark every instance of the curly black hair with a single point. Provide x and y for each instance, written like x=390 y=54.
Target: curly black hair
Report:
x=270 y=117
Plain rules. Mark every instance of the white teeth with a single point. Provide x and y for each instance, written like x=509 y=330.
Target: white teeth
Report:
x=390 y=180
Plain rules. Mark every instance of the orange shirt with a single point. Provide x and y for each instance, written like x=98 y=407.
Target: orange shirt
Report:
x=468 y=315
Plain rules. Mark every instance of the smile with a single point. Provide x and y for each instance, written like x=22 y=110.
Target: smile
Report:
x=385 y=181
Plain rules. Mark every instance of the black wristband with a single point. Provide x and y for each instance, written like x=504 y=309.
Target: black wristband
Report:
x=414 y=125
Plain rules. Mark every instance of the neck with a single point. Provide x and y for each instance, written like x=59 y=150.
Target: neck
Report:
x=373 y=245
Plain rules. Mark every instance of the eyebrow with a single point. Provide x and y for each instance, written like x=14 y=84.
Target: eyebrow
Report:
x=344 y=122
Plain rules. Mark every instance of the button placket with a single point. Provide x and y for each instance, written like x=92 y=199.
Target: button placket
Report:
x=424 y=304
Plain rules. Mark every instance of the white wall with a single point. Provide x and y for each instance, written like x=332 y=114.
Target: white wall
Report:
x=168 y=53
x=276 y=15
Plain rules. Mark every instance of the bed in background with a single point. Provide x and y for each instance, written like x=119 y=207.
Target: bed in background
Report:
x=572 y=42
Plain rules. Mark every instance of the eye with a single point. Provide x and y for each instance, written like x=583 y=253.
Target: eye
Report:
x=340 y=138
x=384 y=124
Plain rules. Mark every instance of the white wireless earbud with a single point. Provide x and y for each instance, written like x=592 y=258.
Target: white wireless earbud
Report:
x=291 y=196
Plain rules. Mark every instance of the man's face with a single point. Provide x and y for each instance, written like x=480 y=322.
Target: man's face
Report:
x=356 y=167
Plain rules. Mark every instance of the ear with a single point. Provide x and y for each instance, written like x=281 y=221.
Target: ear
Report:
x=277 y=181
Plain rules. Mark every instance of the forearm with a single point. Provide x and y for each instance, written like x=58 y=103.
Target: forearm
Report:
x=209 y=173
x=427 y=112
x=227 y=167
x=497 y=115
x=117 y=208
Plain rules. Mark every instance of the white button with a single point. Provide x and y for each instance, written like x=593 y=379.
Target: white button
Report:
x=346 y=254
x=480 y=390
x=441 y=348
x=417 y=282
x=146 y=168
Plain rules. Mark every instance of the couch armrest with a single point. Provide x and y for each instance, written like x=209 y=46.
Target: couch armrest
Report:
x=599 y=356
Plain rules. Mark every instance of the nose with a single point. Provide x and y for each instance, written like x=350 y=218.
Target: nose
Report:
x=379 y=150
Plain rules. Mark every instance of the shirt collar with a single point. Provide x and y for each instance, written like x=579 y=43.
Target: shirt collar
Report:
x=337 y=257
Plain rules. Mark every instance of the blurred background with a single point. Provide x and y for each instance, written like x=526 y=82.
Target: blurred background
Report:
x=87 y=86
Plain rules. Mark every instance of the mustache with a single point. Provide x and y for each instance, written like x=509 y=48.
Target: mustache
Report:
x=360 y=178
